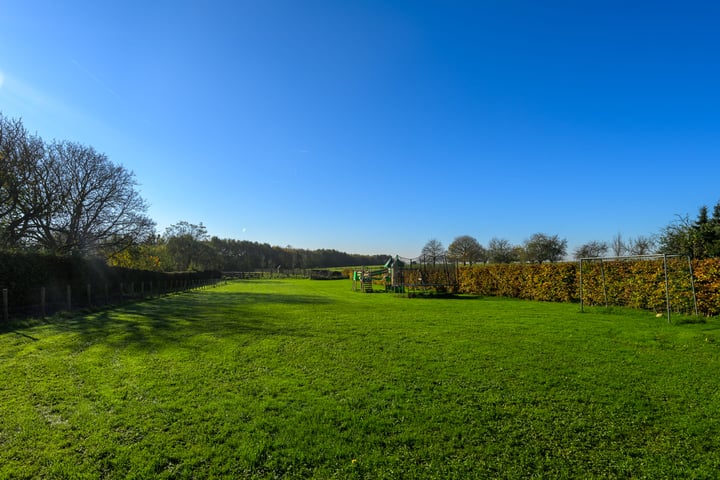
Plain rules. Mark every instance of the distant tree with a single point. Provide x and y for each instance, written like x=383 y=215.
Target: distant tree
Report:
x=677 y=237
x=242 y=255
x=501 y=250
x=618 y=245
x=714 y=237
x=466 y=249
x=702 y=217
x=188 y=247
x=590 y=250
x=233 y=254
x=197 y=232
x=641 y=245
x=706 y=233
x=541 y=248
x=520 y=254
x=433 y=250
x=698 y=239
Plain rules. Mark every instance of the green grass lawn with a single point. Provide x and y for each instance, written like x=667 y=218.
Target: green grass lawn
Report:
x=298 y=379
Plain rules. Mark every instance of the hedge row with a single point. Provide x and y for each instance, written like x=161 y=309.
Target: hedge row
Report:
x=23 y=274
x=636 y=284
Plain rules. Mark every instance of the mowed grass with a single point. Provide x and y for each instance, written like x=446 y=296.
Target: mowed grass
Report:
x=307 y=379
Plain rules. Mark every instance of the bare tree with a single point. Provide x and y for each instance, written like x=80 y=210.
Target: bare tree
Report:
x=591 y=249
x=65 y=197
x=466 y=249
x=433 y=250
x=91 y=205
x=641 y=245
x=618 y=245
x=21 y=156
x=501 y=250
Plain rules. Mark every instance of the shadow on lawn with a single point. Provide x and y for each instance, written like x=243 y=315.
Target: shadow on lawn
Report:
x=177 y=318
x=235 y=298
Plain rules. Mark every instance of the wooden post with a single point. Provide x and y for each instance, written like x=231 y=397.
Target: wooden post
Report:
x=6 y=313
x=42 y=301
x=667 y=287
x=581 y=286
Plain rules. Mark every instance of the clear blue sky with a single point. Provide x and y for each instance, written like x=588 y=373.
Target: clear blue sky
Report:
x=374 y=126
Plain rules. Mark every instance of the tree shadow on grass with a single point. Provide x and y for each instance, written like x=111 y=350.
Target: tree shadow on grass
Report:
x=177 y=318
x=267 y=298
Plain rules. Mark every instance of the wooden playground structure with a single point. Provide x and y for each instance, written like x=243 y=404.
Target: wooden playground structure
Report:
x=418 y=276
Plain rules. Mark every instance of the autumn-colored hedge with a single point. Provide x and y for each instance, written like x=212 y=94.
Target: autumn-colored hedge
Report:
x=707 y=285
x=636 y=284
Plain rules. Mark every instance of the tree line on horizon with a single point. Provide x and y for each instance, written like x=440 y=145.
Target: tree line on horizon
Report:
x=187 y=246
x=697 y=239
x=64 y=198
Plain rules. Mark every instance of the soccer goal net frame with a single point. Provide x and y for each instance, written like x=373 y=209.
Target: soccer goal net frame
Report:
x=653 y=257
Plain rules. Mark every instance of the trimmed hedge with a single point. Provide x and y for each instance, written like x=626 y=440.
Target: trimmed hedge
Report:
x=635 y=284
x=707 y=285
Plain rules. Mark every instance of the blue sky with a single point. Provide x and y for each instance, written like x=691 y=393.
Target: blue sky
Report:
x=374 y=126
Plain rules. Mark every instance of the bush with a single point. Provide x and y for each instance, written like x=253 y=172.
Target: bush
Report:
x=636 y=284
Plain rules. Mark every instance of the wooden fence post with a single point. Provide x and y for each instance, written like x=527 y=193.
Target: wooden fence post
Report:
x=42 y=302
x=6 y=312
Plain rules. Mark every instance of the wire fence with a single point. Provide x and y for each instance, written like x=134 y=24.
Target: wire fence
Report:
x=49 y=300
